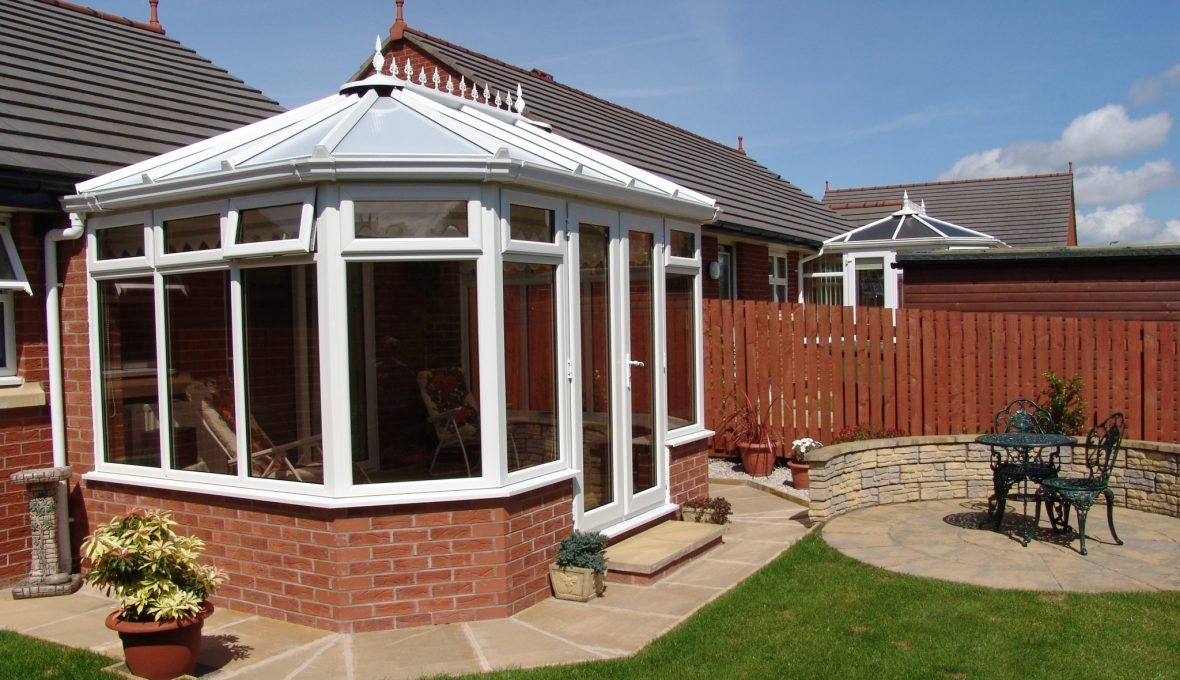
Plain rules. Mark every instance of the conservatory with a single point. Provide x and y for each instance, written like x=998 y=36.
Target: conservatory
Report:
x=399 y=294
x=855 y=268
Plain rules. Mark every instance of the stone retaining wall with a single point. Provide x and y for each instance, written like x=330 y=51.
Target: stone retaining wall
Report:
x=848 y=476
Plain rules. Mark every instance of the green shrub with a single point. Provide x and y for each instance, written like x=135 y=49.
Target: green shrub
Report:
x=1063 y=400
x=583 y=549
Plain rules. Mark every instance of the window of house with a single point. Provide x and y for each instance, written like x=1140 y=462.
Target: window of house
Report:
x=12 y=278
x=530 y=363
x=727 y=281
x=779 y=283
x=270 y=224
x=823 y=279
x=680 y=322
x=127 y=370
x=870 y=282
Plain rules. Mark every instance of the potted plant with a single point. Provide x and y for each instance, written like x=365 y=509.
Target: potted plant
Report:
x=754 y=435
x=161 y=587
x=708 y=509
x=580 y=570
x=800 y=476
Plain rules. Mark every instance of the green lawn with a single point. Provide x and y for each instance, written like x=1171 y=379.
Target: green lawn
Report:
x=814 y=613
x=26 y=657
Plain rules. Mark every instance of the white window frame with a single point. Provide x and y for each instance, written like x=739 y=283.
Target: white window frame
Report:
x=97 y=223
x=232 y=224
x=691 y=267
x=19 y=280
x=730 y=273
x=887 y=258
x=555 y=248
x=162 y=215
x=8 y=376
x=352 y=193
x=785 y=279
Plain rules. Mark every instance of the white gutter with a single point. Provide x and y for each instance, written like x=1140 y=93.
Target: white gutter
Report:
x=57 y=417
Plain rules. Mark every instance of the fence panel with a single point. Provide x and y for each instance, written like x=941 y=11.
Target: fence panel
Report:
x=928 y=372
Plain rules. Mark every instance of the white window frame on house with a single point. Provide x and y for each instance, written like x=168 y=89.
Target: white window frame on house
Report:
x=688 y=267
x=19 y=281
x=95 y=225
x=232 y=225
x=852 y=260
x=162 y=215
x=727 y=266
x=777 y=256
x=351 y=194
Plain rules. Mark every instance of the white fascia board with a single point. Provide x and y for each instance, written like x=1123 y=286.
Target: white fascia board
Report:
x=374 y=498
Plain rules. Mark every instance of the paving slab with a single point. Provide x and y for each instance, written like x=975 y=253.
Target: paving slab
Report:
x=951 y=540
x=510 y=643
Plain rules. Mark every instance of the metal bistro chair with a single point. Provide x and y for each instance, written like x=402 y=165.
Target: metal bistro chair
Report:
x=1059 y=493
x=1012 y=466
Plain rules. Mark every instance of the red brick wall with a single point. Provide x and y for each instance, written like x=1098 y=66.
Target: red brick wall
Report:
x=370 y=568
x=688 y=476
x=709 y=287
x=25 y=441
x=753 y=271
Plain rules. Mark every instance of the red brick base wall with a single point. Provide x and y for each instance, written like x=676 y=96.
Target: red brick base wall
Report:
x=688 y=476
x=368 y=568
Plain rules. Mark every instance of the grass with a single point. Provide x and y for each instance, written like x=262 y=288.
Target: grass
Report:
x=26 y=657
x=814 y=613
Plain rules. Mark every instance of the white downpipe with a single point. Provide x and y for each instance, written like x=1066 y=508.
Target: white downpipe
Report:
x=57 y=414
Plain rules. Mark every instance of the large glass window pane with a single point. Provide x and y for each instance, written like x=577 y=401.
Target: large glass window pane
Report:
x=282 y=373
x=681 y=323
x=594 y=306
x=870 y=282
x=684 y=244
x=531 y=224
x=192 y=233
x=127 y=359
x=272 y=223
x=413 y=371
x=642 y=315
x=726 y=282
x=530 y=357
x=117 y=243
x=410 y=219
x=200 y=361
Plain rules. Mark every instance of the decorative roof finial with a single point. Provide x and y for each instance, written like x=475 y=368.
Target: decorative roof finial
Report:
x=398 y=29
x=380 y=62
x=741 y=147
x=155 y=16
x=827 y=187
x=1071 y=167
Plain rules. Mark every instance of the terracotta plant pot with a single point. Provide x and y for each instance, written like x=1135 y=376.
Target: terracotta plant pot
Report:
x=800 y=477
x=576 y=583
x=161 y=650
x=757 y=459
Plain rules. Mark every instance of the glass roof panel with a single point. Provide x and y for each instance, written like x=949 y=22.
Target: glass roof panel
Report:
x=389 y=128
x=915 y=229
x=300 y=145
x=879 y=232
x=950 y=229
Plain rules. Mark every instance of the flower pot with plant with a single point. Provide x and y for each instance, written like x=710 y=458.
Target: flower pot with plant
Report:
x=800 y=471
x=580 y=570
x=751 y=430
x=708 y=509
x=161 y=586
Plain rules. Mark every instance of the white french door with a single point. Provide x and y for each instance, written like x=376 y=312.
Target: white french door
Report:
x=617 y=444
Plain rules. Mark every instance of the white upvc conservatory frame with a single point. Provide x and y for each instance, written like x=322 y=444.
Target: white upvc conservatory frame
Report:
x=335 y=248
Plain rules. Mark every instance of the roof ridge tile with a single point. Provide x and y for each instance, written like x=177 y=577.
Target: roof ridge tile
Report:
x=104 y=15
x=944 y=182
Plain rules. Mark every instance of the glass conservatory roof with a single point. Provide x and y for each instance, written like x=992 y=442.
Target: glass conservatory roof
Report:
x=384 y=125
x=911 y=223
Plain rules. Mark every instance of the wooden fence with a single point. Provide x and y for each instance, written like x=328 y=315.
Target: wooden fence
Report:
x=931 y=372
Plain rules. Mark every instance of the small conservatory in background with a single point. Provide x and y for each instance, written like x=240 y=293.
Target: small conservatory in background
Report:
x=388 y=348
x=855 y=269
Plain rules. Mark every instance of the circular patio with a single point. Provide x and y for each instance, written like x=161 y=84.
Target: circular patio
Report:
x=951 y=540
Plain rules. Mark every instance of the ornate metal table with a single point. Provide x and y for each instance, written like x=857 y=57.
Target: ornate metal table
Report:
x=1020 y=462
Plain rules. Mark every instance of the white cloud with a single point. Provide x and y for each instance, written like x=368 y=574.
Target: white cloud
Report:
x=1105 y=184
x=1126 y=223
x=1153 y=89
x=1104 y=134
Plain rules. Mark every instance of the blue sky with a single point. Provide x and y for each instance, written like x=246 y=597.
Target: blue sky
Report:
x=858 y=93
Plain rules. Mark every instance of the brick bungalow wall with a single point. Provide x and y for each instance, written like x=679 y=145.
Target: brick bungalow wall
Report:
x=25 y=441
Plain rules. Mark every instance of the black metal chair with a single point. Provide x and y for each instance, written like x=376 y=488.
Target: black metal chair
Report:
x=1011 y=466
x=1058 y=494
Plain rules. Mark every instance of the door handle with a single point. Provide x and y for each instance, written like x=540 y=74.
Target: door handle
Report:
x=632 y=362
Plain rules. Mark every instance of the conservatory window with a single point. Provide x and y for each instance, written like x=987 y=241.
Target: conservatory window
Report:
x=530 y=363
x=413 y=373
x=281 y=336
x=823 y=280
x=120 y=243
x=188 y=234
x=410 y=219
x=200 y=361
x=682 y=244
x=531 y=223
x=680 y=311
x=271 y=224
x=870 y=282
x=127 y=369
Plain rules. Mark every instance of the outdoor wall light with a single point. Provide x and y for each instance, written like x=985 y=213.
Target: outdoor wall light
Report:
x=714 y=270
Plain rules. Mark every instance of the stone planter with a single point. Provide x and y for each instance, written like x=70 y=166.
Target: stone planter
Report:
x=576 y=583
x=757 y=459
x=161 y=650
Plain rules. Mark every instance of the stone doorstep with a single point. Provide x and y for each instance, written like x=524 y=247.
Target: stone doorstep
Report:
x=646 y=556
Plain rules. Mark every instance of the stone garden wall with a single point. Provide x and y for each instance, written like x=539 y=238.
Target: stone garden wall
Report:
x=848 y=476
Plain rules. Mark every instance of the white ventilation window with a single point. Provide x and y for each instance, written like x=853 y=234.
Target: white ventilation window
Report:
x=12 y=278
